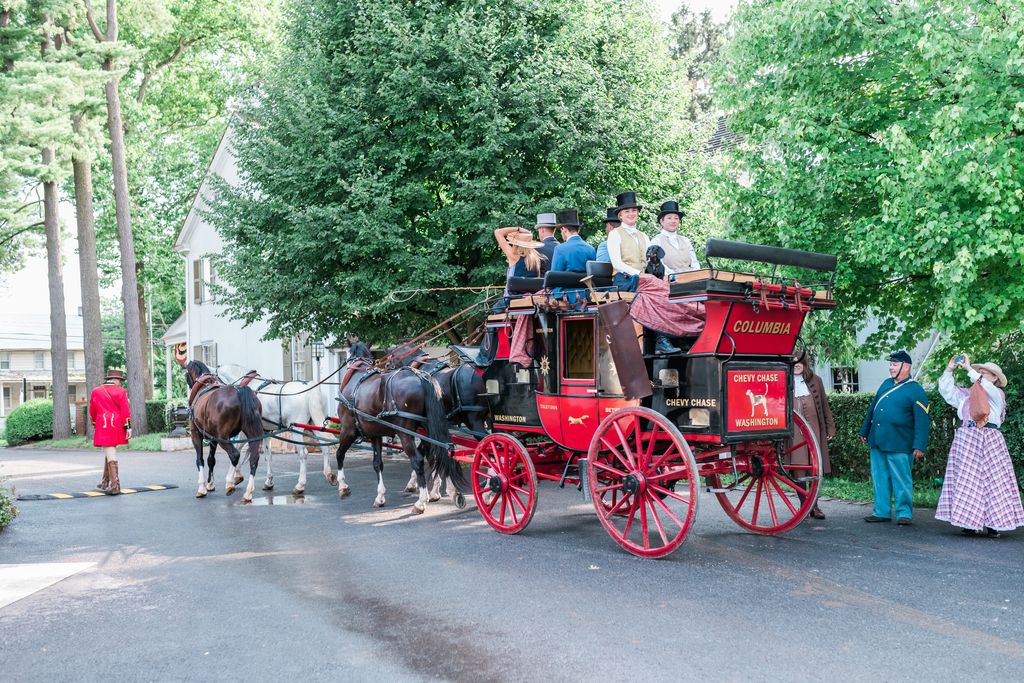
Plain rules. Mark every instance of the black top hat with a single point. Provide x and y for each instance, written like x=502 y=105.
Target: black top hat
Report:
x=900 y=356
x=626 y=200
x=613 y=215
x=669 y=207
x=570 y=217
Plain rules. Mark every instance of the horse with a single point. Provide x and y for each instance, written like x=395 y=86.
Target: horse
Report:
x=406 y=398
x=218 y=412
x=285 y=404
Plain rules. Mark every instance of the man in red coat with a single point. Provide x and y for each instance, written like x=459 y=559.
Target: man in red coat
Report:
x=112 y=422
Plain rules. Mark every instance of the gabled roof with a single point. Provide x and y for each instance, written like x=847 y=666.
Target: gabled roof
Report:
x=193 y=218
x=176 y=333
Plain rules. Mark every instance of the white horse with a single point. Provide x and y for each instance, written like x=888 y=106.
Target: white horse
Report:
x=285 y=404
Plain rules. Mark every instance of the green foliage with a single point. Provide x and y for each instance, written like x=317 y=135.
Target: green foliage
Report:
x=891 y=135
x=926 y=491
x=157 y=417
x=389 y=139
x=146 y=442
x=7 y=510
x=29 y=421
x=696 y=39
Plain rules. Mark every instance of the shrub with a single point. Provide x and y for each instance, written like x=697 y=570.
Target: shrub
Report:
x=157 y=421
x=850 y=458
x=30 y=421
x=7 y=510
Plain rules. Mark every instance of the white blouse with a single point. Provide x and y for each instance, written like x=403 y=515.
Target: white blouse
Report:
x=800 y=386
x=957 y=396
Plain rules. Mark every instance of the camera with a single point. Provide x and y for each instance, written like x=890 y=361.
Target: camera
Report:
x=960 y=358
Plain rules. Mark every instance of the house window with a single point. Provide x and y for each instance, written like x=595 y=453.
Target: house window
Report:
x=197 y=281
x=207 y=353
x=7 y=400
x=72 y=393
x=39 y=391
x=5 y=360
x=40 y=361
x=845 y=380
x=298 y=351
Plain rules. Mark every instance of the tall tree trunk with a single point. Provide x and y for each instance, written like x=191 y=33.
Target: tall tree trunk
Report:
x=147 y=346
x=58 y=321
x=129 y=283
x=91 y=314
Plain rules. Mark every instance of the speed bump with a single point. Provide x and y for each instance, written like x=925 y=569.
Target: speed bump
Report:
x=95 y=494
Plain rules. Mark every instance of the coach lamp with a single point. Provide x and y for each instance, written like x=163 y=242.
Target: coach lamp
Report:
x=178 y=419
x=317 y=346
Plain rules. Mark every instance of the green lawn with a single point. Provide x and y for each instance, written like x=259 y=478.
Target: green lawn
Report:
x=147 y=442
x=926 y=493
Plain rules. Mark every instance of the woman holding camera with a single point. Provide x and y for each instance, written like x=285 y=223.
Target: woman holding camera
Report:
x=980 y=492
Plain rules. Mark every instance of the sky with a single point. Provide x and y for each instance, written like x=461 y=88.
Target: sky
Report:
x=720 y=9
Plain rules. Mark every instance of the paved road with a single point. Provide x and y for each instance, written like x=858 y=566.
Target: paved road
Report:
x=185 y=589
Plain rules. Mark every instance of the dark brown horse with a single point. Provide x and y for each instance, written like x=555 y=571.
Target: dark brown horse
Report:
x=217 y=413
x=372 y=402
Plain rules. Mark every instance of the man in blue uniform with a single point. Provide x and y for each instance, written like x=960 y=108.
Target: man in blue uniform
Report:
x=896 y=429
x=573 y=253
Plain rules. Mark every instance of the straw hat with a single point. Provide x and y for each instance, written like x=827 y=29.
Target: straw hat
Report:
x=524 y=243
x=994 y=369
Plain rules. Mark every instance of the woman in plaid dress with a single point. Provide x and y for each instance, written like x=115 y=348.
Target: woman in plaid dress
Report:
x=980 y=492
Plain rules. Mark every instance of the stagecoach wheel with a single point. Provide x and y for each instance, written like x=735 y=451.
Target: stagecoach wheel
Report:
x=769 y=495
x=504 y=483
x=643 y=481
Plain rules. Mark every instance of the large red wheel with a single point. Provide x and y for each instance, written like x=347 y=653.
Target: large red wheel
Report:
x=768 y=495
x=643 y=481
x=504 y=483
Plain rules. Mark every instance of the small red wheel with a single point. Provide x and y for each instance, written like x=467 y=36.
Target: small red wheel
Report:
x=769 y=495
x=643 y=481
x=504 y=483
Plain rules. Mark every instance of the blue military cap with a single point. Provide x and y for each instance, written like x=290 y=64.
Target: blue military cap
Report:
x=900 y=356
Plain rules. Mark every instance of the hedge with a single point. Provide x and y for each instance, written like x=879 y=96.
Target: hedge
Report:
x=156 y=416
x=7 y=510
x=32 y=420
x=850 y=458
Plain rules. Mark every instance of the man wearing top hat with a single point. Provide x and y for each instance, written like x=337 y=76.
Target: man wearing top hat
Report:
x=573 y=253
x=611 y=222
x=896 y=429
x=546 y=223
x=679 y=255
x=111 y=417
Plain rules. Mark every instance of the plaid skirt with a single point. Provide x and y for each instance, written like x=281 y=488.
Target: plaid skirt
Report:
x=652 y=309
x=980 y=489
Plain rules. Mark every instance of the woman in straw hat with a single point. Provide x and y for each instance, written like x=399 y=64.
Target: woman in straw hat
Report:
x=980 y=492
x=112 y=418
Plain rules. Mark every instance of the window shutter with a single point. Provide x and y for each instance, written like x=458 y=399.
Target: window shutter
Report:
x=197 y=283
x=212 y=351
x=212 y=280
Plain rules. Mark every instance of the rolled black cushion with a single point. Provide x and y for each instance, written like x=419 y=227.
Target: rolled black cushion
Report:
x=566 y=279
x=518 y=285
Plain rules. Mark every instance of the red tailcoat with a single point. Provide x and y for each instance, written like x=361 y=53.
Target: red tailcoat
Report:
x=109 y=412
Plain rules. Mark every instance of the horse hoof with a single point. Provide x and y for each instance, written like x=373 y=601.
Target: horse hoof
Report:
x=344 y=492
x=379 y=503
x=418 y=510
x=211 y=486
x=298 y=491
x=411 y=488
x=332 y=480
x=434 y=498
x=268 y=487
x=246 y=501
x=201 y=493
x=229 y=490
x=239 y=479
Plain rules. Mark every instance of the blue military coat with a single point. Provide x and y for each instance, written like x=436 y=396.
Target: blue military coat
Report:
x=897 y=420
x=573 y=255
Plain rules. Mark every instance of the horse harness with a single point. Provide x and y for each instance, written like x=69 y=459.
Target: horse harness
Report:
x=381 y=417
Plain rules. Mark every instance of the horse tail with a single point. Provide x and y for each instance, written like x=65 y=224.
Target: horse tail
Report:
x=251 y=414
x=443 y=464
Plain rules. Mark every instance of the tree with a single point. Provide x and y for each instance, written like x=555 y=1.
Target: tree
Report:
x=126 y=240
x=889 y=134
x=696 y=40
x=387 y=142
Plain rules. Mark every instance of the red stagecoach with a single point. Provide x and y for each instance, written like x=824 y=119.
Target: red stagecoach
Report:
x=718 y=415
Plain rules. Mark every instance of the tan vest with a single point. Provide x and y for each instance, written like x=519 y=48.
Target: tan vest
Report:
x=633 y=250
x=676 y=260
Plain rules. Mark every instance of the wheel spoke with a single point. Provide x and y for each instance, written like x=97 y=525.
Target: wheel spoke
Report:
x=664 y=457
x=512 y=501
x=525 y=492
x=743 y=498
x=771 y=504
x=643 y=525
x=757 y=501
x=674 y=475
x=788 y=482
x=657 y=521
x=615 y=455
x=668 y=511
x=608 y=468
x=616 y=506
x=782 y=493
x=490 y=463
x=490 y=506
x=669 y=493
x=504 y=502
x=629 y=520
x=626 y=450
x=795 y=448
x=610 y=487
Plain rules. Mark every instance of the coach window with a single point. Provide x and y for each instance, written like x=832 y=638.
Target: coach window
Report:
x=578 y=348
